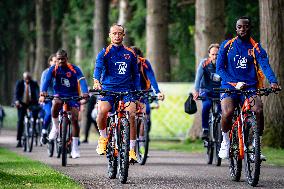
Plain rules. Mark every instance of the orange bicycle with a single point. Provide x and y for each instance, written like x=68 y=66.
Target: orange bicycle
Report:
x=244 y=137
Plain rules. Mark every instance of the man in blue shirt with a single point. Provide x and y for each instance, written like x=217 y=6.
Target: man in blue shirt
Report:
x=238 y=65
x=116 y=70
x=47 y=104
x=206 y=79
x=65 y=78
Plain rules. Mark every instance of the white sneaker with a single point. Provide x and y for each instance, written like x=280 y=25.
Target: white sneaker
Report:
x=53 y=133
x=75 y=153
x=224 y=150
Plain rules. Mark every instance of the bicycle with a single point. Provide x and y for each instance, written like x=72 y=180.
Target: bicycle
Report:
x=244 y=137
x=64 y=139
x=118 y=129
x=143 y=124
x=213 y=143
x=38 y=127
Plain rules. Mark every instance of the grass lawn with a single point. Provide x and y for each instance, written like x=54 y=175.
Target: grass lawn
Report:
x=20 y=172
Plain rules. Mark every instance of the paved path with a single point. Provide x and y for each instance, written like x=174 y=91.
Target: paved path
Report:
x=162 y=170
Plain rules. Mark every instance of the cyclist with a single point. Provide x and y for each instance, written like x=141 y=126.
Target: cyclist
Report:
x=47 y=105
x=147 y=79
x=238 y=65
x=65 y=77
x=26 y=96
x=206 y=79
x=116 y=70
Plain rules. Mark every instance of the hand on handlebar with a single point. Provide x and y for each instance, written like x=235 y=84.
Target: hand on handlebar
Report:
x=97 y=85
x=275 y=86
x=195 y=95
x=240 y=85
x=161 y=96
x=42 y=97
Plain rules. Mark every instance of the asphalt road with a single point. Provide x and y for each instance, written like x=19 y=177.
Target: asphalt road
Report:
x=163 y=169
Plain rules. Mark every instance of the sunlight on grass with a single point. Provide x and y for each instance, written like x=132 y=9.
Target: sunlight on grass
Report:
x=20 y=172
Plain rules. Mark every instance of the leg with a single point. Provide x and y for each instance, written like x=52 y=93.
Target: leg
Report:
x=206 y=105
x=75 y=153
x=56 y=105
x=21 y=114
x=257 y=107
x=103 y=108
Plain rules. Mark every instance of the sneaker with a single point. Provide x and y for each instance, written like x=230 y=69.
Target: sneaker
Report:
x=85 y=141
x=53 y=133
x=75 y=153
x=19 y=144
x=205 y=134
x=132 y=156
x=224 y=150
x=262 y=157
x=43 y=138
x=102 y=144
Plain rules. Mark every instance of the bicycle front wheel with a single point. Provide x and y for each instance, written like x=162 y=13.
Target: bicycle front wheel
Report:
x=252 y=153
x=210 y=142
x=111 y=153
x=124 y=145
x=235 y=161
x=142 y=145
x=217 y=144
x=65 y=125
x=30 y=136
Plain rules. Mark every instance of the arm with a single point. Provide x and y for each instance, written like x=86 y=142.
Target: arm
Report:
x=262 y=59
x=150 y=74
x=199 y=74
x=43 y=75
x=47 y=80
x=82 y=80
x=99 y=66
x=222 y=61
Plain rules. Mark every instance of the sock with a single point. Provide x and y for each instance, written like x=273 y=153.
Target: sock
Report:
x=103 y=133
x=132 y=144
x=44 y=131
x=75 y=141
x=55 y=122
x=226 y=137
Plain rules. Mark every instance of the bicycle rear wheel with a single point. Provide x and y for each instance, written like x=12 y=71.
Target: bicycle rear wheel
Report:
x=142 y=146
x=50 y=148
x=123 y=142
x=111 y=153
x=64 y=149
x=252 y=153
x=235 y=161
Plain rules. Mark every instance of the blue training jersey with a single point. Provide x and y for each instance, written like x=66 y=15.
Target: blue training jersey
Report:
x=235 y=63
x=43 y=77
x=116 y=68
x=66 y=80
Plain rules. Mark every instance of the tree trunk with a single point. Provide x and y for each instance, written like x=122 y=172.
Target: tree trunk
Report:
x=124 y=17
x=100 y=25
x=78 y=50
x=40 y=45
x=209 y=28
x=272 y=39
x=157 y=38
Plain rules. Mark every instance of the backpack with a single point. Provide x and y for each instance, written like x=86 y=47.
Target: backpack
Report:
x=259 y=73
x=190 y=105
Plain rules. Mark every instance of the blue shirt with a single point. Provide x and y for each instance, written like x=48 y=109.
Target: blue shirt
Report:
x=150 y=75
x=66 y=80
x=116 y=68
x=237 y=64
x=43 y=77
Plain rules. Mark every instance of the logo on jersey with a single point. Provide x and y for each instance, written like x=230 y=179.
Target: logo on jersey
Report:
x=241 y=61
x=121 y=67
x=250 y=52
x=65 y=82
x=127 y=56
x=68 y=74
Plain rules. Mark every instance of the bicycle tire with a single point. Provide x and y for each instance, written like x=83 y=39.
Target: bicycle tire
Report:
x=111 y=153
x=218 y=141
x=50 y=148
x=123 y=149
x=210 y=145
x=142 y=157
x=252 y=154
x=64 y=149
x=25 y=135
x=235 y=162
x=30 y=137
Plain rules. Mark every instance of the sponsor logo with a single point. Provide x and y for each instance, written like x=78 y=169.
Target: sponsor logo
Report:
x=121 y=67
x=241 y=61
x=65 y=82
x=127 y=56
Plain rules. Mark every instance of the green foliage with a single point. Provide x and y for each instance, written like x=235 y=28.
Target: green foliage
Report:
x=11 y=118
x=20 y=172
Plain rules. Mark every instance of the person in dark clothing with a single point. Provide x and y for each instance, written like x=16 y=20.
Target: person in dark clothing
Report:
x=26 y=96
x=90 y=107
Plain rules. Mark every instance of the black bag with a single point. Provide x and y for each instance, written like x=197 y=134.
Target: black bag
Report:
x=190 y=105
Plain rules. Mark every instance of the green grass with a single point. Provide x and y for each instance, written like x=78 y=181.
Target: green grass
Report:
x=274 y=156
x=20 y=172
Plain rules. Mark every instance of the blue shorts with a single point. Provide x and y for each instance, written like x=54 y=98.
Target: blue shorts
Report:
x=234 y=96
x=112 y=100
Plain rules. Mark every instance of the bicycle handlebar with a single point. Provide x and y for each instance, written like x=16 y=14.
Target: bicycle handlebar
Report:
x=260 y=92
x=75 y=98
